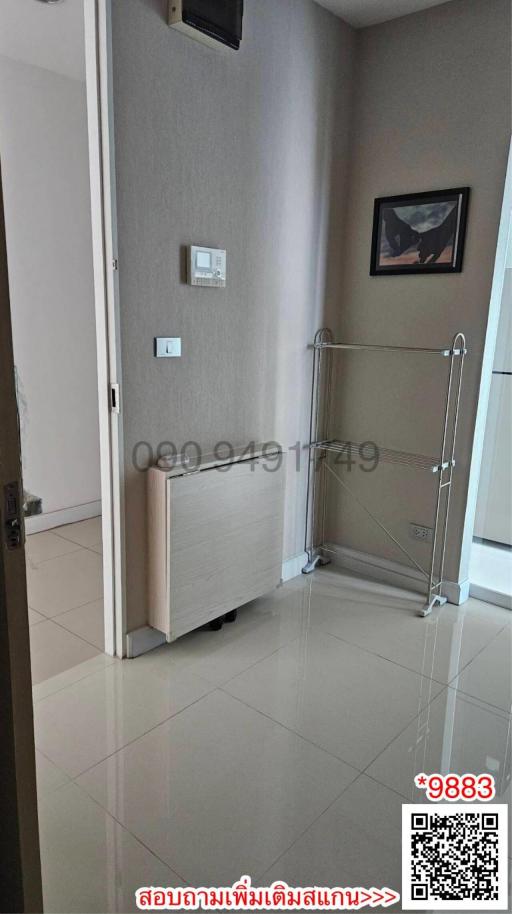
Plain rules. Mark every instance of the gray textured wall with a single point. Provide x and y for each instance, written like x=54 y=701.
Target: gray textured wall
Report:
x=432 y=112
x=247 y=151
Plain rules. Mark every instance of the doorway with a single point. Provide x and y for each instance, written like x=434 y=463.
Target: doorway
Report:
x=491 y=554
x=50 y=149
x=486 y=557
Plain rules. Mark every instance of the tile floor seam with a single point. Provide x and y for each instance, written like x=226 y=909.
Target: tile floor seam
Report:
x=64 y=611
x=136 y=738
x=332 y=587
x=315 y=625
x=407 y=598
x=74 y=635
x=486 y=706
x=121 y=824
x=484 y=648
x=93 y=546
x=444 y=687
x=40 y=751
x=357 y=595
x=380 y=656
x=31 y=563
x=358 y=774
x=401 y=665
x=66 y=538
x=246 y=669
x=387 y=787
x=254 y=710
x=94 y=549
x=494 y=709
x=311 y=824
x=306 y=739
x=70 y=631
x=110 y=662
x=398 y=735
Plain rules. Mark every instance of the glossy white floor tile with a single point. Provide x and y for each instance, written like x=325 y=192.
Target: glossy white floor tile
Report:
x=87 y=622
x=344 y=699
x=47 y=545
x=219 y=790
x=90 y=863
x=240 y=751
x=82 y=724
x=438 y=646
x=53 y=650
x=489 y=675
x=85 y=533
x=65 y=582
x=357 y=841
x=454 y=734
x=65 y=585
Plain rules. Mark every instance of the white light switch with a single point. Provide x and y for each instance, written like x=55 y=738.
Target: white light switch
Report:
x=168 y=347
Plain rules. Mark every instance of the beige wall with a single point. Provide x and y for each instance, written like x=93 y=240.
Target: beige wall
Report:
x=432 y=112
x=246 y=151
x=43 y=144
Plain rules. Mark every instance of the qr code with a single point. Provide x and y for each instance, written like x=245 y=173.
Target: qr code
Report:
x=454 y=857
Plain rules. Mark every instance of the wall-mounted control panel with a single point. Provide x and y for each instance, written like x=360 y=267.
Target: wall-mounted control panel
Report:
x=168 y=347
x=206 y=267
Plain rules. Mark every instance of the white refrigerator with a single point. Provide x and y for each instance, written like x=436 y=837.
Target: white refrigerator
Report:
x=494 y=506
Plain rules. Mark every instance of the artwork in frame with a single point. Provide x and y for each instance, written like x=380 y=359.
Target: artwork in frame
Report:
x=419 y=233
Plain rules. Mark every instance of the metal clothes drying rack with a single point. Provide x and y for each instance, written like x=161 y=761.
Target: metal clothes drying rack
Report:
x=442 y=466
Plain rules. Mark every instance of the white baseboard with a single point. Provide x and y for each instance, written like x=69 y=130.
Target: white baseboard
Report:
x=293 y=567
x=388 y=572
x=37 y=523
x=143 y=640
x=496 y=597
x=456 y=593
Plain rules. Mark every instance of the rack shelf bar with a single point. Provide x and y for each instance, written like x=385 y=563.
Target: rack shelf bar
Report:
x=415 y=349
x=385 y=455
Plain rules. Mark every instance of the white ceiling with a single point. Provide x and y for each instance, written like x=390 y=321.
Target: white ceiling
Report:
x=45 y=35
x=361 y=13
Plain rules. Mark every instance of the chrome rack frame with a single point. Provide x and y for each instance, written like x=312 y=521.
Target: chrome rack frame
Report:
x=443 y=466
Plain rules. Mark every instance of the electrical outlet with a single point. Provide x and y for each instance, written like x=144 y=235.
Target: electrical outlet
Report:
x=418 y=532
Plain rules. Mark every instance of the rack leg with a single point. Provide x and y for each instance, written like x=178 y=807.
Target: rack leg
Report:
x=428 y=607
x=314 y=561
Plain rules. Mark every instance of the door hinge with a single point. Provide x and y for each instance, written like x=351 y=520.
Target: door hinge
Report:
x=115 y=264
x=115 y=398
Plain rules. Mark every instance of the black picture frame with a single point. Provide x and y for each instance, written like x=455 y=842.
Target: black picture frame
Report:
x=428 y=236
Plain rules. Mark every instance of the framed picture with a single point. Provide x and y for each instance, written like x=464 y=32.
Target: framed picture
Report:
x=419 y=233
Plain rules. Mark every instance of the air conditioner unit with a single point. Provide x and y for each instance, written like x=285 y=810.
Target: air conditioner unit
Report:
x=209 y=21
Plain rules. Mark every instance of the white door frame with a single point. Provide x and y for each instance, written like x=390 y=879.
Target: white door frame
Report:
x=505 y=231
x=97 y=15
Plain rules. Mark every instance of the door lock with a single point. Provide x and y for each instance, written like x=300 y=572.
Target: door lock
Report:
x=13 y=527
